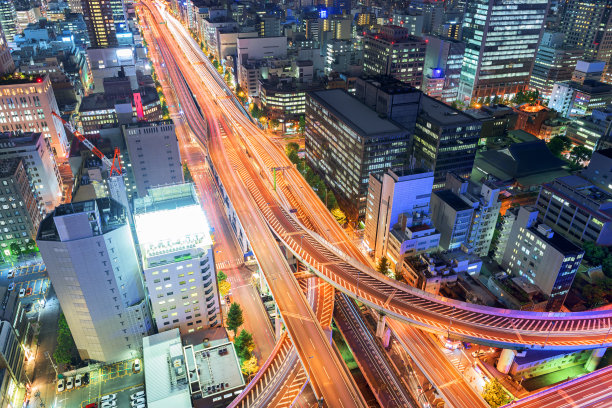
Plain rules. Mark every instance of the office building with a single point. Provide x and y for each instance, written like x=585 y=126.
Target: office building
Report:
x=452 y=216
x=177 y=258
x=588 y=71
x=573 y=99
x=269 y=26
x=444 y=59
x=21 y=210
x=496 y=120
x=502 y=39
x=75 y=6
x=578 y=209
x=554 y=62
x=8 y=19
x=26 y=105
x=545 y=258
x=342 y=56
x=445 y=140
x=92 y=263
x=394 y=52
x=346 y=141
x=98 y=15
x=397 y=221
x=12 y=361
x=412 y=21
x=587 y=25
x=7 y=65
x=599 y=170
x=588 y=131
x=154 y=154
x=40 y=165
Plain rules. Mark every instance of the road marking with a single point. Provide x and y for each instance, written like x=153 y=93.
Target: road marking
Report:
x=328 y=377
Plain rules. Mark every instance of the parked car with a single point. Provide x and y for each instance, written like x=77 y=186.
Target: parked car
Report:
x=92 y=405
x=28 y=291
x=11 y=286
x=21 y=292
x=69 y=383
x=78 y=380
x=60 y=385
x=136 y=365
x=139 y=394
x=137 y=402
x=86 y=378
x=108 y=397
x=478 y=353
x=11 y=273
x=109 y=404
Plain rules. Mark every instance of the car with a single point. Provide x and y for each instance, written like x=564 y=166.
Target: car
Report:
x=21 y=292
x=11 y=286
x=478 y=353
x=108 y=397
x=109 y=404
x=140 y=406
x=28 y=291
x=78 y=380
x=60 y=385
x=11 y=273
x=136 y=366
x=92 y=405
x=135 y=403
x=139 y=394
x=69 y=383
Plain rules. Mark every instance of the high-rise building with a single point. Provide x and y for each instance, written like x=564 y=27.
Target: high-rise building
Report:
x=545 y=258
x=554 y=62
x=7 y=65
x=75 y=6
x=501 y=42
x=572 y=99
x=8 y=18
x=92 y=263
x=444 y=59
x=41 y=167
x=99 y=17
x=413 y=21
x=394 y=52
x=12 y=362
x=154 y=154
x=21 y=210
x=588 y=70
x=445 y=140
x=451 y=216
x=587 y=25
x=26 y=105
x=577 y=208
x=177 y=257
x=591 y=131
x=397 y=222
x=346 y=141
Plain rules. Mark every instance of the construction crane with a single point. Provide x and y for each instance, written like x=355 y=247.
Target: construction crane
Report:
x=116 y=185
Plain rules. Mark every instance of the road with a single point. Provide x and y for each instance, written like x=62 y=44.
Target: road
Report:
x=372 y=360
x=593 y=390
x=327 y=373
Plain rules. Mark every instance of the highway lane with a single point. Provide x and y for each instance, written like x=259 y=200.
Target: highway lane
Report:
x=470 y=322
x=328 y=375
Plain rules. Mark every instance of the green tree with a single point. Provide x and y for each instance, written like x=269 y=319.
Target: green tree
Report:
x=487 y=100
x=594 y=295
x=383 y=265
x=302 y=124
x=292 y=147
x=580 y=154
x=559 y=144
x=494 y=394
x=244 y=345
x=187 y=174
x=65 y=344
x=274 y=123
x=235 y=318
x=15 y=249
x=221 y=277
x=250 y=367
x=339 y=215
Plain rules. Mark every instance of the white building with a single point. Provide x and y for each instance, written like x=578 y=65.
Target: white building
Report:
x=40 y=164
x=154 y=154
x=26 y=105
x=177 y=258
x=92 y=263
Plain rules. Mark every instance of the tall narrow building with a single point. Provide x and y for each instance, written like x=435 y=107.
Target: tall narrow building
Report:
x=8 y=18
x=7 y=65
x=587 y=24
x=99 y=17
x=92 y=263
x=501 y=38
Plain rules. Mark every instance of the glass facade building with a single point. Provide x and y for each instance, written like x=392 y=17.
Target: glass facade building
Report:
x=501 y=38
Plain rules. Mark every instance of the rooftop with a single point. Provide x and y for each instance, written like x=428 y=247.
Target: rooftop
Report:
x=453 y=200
x=20 y=79
x=219 y=369
x=357 y=115
x=443 y=114
x=557 y=241
x=8 y=167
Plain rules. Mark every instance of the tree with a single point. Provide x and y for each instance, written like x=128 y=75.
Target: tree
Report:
x=339 y=215
x=383 y=265
x=224 y=288
x=274 y=123
x=302 y=124
x=494 y=394
x=187 y=174
x=244 y=345
x=292 y=147
x=487 y=100
x=221 y=277
x=558 y=145
x=580 y=154
x=250 y=367
x=65 y=343
x=15 y=249
x=594 y=295
x=235 y=319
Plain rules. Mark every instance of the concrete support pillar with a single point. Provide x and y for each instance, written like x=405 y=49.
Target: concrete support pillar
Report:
x=506 y=358
x=278 y=326
x=380 y=327
x=595 y=358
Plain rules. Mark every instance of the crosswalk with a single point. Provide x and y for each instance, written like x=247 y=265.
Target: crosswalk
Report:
x=229 y=263
x=457 y=359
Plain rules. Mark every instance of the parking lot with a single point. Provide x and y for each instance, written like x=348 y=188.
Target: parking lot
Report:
x=117 y=378
x=31 y=277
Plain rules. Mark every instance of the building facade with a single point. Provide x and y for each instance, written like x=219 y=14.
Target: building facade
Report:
x=92 y=263
x=177 y=258
x=7 y=65
x=99 y=17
